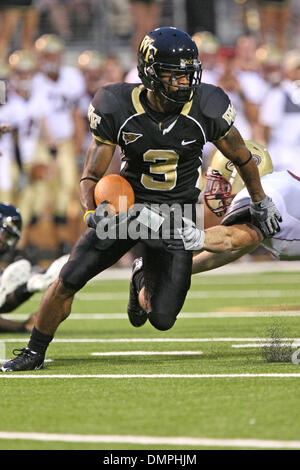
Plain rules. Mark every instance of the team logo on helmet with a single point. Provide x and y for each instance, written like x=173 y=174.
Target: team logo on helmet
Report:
x=229 y=166
x=130 y=137
x=147 y=48
x=256 y=158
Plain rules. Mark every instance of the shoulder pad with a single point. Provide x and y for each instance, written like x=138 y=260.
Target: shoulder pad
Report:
x=238 y=213
x=213 y=101
x=105 y=100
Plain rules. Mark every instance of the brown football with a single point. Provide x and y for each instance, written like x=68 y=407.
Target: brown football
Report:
x=116 y=190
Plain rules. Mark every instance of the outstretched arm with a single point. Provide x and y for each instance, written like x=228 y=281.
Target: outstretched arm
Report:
x=226 y=244
x=231 y=238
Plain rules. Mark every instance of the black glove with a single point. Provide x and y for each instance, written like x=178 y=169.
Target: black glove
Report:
x=109 y=228
x=265 y=216
x=92 y=218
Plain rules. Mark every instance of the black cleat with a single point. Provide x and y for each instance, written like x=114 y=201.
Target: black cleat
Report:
x=137 y=316
x=25 y=360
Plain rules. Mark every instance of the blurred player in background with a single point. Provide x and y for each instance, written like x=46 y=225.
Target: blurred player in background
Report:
x=62 y=87
x=208 y=47
x=6 y=143
x=280 y=116
x=25 y=110
x=96 y=72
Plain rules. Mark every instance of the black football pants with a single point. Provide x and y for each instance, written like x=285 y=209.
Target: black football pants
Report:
x=167 y=273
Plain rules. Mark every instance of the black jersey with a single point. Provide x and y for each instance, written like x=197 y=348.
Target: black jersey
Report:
x=162 y=156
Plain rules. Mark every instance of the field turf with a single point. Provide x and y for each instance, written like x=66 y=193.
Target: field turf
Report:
x=212 y=388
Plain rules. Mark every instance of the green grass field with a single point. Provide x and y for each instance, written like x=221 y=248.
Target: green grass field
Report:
x=210 y=388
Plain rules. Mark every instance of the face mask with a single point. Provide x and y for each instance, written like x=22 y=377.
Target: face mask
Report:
x=7 y=240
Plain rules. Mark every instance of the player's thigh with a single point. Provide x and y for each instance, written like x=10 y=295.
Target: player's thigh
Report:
x=88 y=258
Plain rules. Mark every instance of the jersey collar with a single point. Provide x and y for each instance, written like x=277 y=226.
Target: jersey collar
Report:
x=135 y=96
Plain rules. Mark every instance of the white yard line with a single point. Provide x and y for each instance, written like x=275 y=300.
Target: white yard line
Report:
x=148 y=340
x=182 y=316
x=240 y=267
x=267 y=278
x=151 y=440
x=117 y=296
x=148 y=353
x=10 y=375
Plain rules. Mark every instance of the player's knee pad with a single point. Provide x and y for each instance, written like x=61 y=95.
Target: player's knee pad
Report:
x=161 y=321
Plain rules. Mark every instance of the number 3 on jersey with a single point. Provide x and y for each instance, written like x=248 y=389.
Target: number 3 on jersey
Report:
x=164 y=163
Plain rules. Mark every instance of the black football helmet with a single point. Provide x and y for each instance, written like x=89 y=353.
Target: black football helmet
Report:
x=10 y=227
x=169 y=49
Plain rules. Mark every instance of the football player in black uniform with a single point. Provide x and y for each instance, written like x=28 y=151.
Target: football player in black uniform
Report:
x=161 y=127
x=19 y=280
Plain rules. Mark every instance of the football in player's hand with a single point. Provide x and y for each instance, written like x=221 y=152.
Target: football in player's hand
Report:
x=116 y=190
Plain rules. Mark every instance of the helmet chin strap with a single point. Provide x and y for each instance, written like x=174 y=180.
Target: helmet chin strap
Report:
x=175 y=96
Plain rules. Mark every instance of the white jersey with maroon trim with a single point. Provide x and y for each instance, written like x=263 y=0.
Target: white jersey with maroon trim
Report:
x=284 y=189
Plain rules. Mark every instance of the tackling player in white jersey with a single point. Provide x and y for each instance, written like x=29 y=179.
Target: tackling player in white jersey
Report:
x=225 y=196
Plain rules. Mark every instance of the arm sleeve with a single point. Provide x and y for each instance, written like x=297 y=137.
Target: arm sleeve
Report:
x=102 y=117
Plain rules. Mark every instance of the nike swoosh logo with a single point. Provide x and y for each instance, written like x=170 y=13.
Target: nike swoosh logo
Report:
x=187 y=142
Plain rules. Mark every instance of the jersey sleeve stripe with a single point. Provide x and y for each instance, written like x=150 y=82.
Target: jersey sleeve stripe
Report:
x=220 y=138
x=103 y=141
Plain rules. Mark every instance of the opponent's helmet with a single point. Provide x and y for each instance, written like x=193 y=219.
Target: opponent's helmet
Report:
x=169 y=49
x=10 y=227
x=223 y=180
